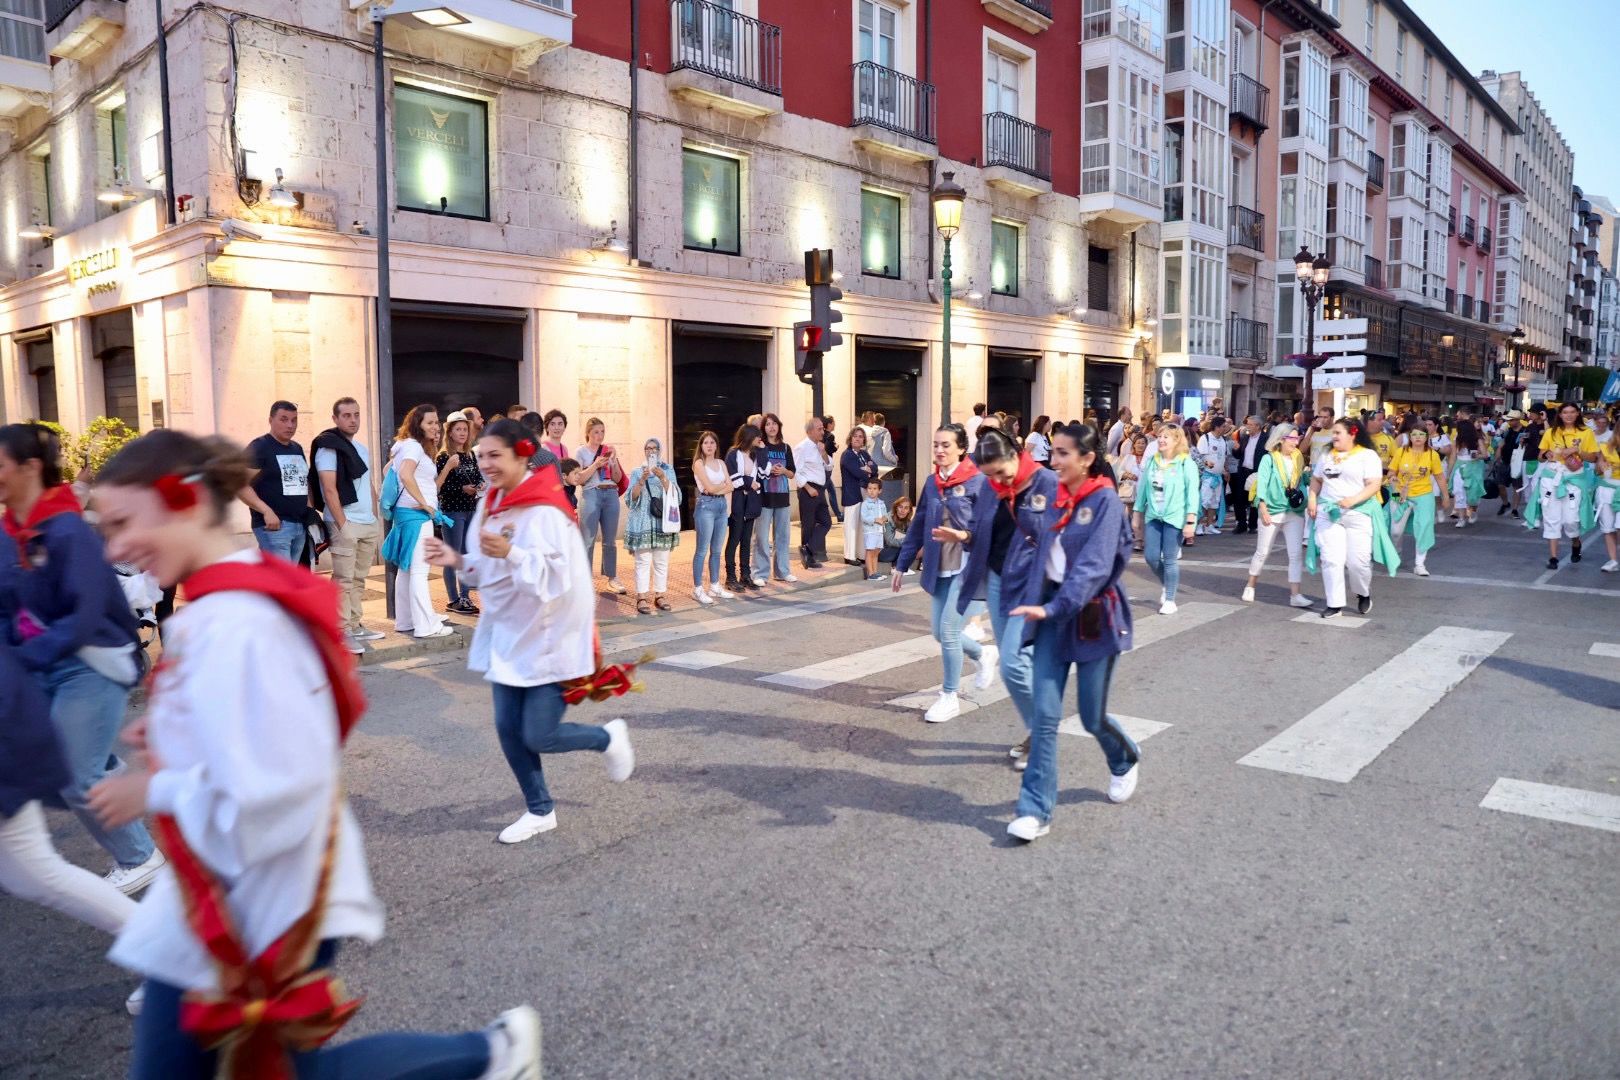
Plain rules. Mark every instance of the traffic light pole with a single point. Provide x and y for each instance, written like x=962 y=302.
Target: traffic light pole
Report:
x=945 y=360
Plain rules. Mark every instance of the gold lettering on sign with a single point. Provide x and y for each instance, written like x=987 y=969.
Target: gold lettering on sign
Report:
x=102 y=287
x=97 y=262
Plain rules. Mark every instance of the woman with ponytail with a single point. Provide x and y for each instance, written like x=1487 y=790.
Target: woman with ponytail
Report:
x=267 y=866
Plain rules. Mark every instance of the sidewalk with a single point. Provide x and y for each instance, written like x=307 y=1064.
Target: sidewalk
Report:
x=611 y=609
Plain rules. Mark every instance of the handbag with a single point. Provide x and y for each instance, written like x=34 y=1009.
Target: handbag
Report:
x=670 y=518
x=1516 y=463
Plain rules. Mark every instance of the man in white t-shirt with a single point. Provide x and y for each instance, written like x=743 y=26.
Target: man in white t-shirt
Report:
x=972 y=425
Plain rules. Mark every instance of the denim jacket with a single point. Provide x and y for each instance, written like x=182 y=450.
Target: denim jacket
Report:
x=1097 y=546
x=1042 y=493
x=966 y=500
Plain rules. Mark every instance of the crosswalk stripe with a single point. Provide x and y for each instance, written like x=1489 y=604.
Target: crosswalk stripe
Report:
x=1343 y=622
x=1137 y=728
x=1339 y=738
x=699 y=660
x=779 y=608
x=1573 y=806
x=1604 y=648
x=843 y=669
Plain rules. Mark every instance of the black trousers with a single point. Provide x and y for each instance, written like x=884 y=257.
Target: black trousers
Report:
x=739 y=533
x=814 y=523
x=1246 y=514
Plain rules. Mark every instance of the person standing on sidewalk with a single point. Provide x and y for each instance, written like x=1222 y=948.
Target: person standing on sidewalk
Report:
x=855 y=469
x=458 y=483
x=810 y=477
x=651 y=495
x=278 y=495
x=829 y=443
x=744 y=470
x=415 y=445
x=709 y=512
x=599 y=500
x=772 y=531
x=344 y=491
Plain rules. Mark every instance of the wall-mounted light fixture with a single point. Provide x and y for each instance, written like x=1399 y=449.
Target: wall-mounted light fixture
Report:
x=441 y=17
x=119 y=192
x=610 y=241
x=280 y=196
x=37 y=231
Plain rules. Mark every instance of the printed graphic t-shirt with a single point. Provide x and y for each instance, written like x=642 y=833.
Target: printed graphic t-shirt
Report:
x=283 y=480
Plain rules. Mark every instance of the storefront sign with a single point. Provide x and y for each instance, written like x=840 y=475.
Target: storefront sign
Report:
x=1167 y=381
x=441 y=152
x=96 y=264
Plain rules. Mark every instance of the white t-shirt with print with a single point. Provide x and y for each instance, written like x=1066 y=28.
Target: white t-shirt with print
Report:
x=1344 y=477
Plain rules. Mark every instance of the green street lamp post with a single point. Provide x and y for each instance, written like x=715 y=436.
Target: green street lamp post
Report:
x=948 y=198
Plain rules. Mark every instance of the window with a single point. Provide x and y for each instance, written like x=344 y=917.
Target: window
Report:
x=118 y=139
x=1001 y=76
x=1445 y=102
x=1005 y=241
x=1099 y=274
x=1468 y=119
x=1369 y=41
x=1305 y=92
x=712 y=208
x=441 y=153
x=880 y=234
x=22 y=30
x=39 y=181
x=1428 y=64
x=1122 y=138
x=1400 y=54
x=39 y=356
x=880 y=34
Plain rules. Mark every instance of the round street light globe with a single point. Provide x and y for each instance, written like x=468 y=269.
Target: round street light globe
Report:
x=948 y=197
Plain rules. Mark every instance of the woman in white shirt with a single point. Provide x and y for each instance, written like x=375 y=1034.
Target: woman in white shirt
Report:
x=413 y=461
x=536 y=640
x=1039 y=444
x=713 y=482
x=1343 y=503
x=267 y=866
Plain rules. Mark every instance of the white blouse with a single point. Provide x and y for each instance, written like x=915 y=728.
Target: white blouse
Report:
x=1344 y=477
x=409 y=455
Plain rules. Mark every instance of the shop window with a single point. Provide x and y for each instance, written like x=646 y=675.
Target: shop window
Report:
x=39 y=356
x=1099 y=273
x=880 y=234
x=1005 y=241
x=441 y=153
x=712 y=202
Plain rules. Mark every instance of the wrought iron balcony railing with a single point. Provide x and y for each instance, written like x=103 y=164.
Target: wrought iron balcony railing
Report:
x=887 y=99
x=1372 y=272
x=727 y=44
x=1017 y=144
x=1246 y=339
x=1251 y=101
x=1468 y=230
x=1375 y=170
x=1246 y=228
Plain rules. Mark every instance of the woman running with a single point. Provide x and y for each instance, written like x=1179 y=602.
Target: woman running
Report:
x=536 y=643
x=1348 y=526
x=1079 y=617
x=1279 y=493
x=1416 y=473
x=951 y=500
x=267 y=865
x=1466 y=459
x=1167 y=499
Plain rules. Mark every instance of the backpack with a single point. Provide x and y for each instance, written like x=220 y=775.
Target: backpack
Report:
x=389 y=499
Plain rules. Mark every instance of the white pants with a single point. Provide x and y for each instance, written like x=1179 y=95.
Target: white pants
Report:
x=413 y=610
x=1459 y=490
x=1608 y=517
x=1292 y=527
x=1344 y=549
x=653 y=565
x=31 y=869
x=853 y=548
x=1560 y=517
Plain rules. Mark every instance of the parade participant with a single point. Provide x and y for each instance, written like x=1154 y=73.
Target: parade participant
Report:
x=1382 y=441
x=1564 y=502
x=458 y=483
x=599 y=500
x=1347 y=525
x=771 y=533
x=1003 y=545
x=415 y=514
x=713 y=484
x=1607 y=497
x=1279 y=495
x=1076 y=615
x=1319 y=439
x=1167 y=499
x=73 y=630
x=268 y=867
x=1416 y=475
x=855 y=469
x=1600 y=428
x=1509 y=464
x=744 y=470
x=1211 y=454
x=653 y=493
x=951 y=500
x=874 y=514
x=1466 y=460
x=1570 y=433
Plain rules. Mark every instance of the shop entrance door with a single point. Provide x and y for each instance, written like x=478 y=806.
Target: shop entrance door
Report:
x=886 y=375
x=717 y=383
x=1011 y=387
x=453 y=356
x=1104 y=390
x=112 y=343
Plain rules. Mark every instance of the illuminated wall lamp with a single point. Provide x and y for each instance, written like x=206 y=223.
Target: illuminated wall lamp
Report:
x=442 y=17
x=280 y=196
x=611 y=242
x=120 y=191
x=37 y=231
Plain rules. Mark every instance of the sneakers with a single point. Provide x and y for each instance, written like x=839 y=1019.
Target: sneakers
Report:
x=514 y=1046
x=1020 y=755
x=1162 y=597
x=788 y=577
x=1123 y=787
x=1363 y=604
x=354 y=645
x=1248 y=594
x=130 y=880
x=1575 y=551
x=1200 y=531
x=877 y=577
x=1299 y=600
x=759 y=582
x=1501 y=509
x=1168 y=608
x=1515 y=513
x=1420 y=570
x=986 y=675
x=367 y=634
x=946 y=708
x=136 y=1001
x=444 y=630
x=1552 y=563
x=528 y=827
x=722 y=593
x=1611 y=566
x=614 y=587
x=462 y=607
x=621 y=759
x=1460 y=522
x=703 y=597
x=1332 y=612
x=974 y=632
x=1028 y=828
x=1210 y=530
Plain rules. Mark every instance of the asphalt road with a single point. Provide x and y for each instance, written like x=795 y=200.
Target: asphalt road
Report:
x=804 y=881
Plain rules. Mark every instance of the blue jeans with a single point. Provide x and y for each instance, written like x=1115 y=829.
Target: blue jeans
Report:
x=1017 y=664
x=947 y=629
x=1163 y=551
x=528 y=720
x=455 y=534
x=599 y=510
x=164 y=1052
x=1039 y=792
x=287 y=541
x=87 y=710
x=773 y=529
x=710 y=521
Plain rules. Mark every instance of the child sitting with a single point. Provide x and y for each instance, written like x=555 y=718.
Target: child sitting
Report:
x=874 y=515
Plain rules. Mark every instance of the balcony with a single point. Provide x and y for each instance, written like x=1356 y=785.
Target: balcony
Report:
x=1129 y=21
x=1246 y=229
x=1030 y=16
x=24 y=74
x=79 y=29
x=1375 y=170
x=1246 y=339
x=1017 y=155
x=894 y=113
x=1483 y=311
x=1468 y=230
x=1251 y=102
x=1485 y=238
x=1372 y=272
x=725 y=60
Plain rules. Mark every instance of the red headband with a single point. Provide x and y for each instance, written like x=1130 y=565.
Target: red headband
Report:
x=179 y=493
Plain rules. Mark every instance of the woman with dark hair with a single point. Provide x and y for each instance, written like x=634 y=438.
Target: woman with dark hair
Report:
x=1466 y=458
x=269 y=866
x=458 y=484
x=855 y=468
x=415 y=446
x=774 y=458
x=1003 y=543
x=66 y=613
x=1348 y=527
x=951 y=500
x=745 y=504
x=1039 y=444
x=1074 y=608
x=556 y=425
x=1562 y=488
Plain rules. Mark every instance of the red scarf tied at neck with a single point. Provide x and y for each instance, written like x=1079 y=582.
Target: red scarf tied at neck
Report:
x=55 y=501
x=1027 y=468
x=965 y=470
x=543 y=487
x=1067 y=500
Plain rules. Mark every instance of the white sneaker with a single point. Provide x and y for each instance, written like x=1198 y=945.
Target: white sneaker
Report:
x=790 y=577
x=1121 y=788
x=947 y=707
x=759 y=581
x=1028 y=828
x=986 y=675
x=527 y=827
x=704 y=598
x=1168 y=608
x=514 y=1046
x=130 y=880
x=1200 y=531
x=974 y=632
x=1212 y=531
x=719 y=593
x=444 y=630
x=1248 y=594
x=1610 y=567
x=1420 y=570
x=367 y=634
x=621 y=759
x=1461 y=522
x=614 y=587
x=136 y=1001
x=1162 y=596
x=356 y=647
x=1299 y=600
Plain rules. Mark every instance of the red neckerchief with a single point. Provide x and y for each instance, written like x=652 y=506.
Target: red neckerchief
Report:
x=55 y=501
x=1006 y=492
x=965 y=471
x=543 y=487
x=1067 y=500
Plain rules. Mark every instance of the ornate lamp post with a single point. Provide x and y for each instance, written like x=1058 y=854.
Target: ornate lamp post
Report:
x=948 y=198
x=1312 y=272
x=1516 y=347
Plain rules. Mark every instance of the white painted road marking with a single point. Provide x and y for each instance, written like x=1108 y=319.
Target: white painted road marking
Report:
x=1347 y=733
x=1137 y=728
x=843 y=669
x=700 y=660
x=1343 y=622
x=1573 y=806
x=1604 y=648
x=779 y=609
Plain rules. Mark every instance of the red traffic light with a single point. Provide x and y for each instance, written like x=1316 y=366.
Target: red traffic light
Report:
x=809 y=338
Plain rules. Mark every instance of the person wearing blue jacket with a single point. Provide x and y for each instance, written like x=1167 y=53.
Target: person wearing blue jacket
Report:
x=1079 y=617
x=1002 y=549
x=73 y=631
x=855 y=468
x=943 y=531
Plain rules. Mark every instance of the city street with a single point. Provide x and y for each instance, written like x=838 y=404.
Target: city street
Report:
x=1338 y=863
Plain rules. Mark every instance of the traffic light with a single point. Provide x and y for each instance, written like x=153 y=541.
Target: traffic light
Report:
x=806 y=349
x=823 y=315
x=812 y=339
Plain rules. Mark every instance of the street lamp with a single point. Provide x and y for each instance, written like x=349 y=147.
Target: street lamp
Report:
x=1447 y=341
x=948 y=198
x=1312 y=272
x=1516 y=346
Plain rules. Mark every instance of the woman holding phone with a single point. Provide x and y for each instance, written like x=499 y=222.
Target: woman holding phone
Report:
x=604 y=482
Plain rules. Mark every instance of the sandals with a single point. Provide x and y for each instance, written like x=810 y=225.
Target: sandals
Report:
x=663 y=603
x=643 y=606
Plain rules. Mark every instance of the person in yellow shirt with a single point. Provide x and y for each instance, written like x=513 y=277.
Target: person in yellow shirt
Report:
x=1416 y=477
x=1608 y=501
x=1382 y=440
x=1569 y=436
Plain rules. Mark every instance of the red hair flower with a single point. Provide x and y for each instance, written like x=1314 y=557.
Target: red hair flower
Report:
x=524 y=447
x=179 y=493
